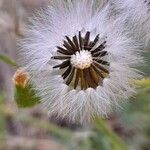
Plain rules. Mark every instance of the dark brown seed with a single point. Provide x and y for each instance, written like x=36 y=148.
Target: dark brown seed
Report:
x=71 y=43
x=61 y=57
x=77 y=78
x=99 y=48
x=100 y=54
x=100 y=67
x=82 y=82
x=84 y=79
x=80 y=41
x=67 y=72
x=63 y=65
x=70 y=78
x=86 y=40
x=97 y=71
x=92 y=44
x=75 y=40
x=64 y=51
x=103 y=62
x=68 y=47
x=94 y=76
x=88 y=78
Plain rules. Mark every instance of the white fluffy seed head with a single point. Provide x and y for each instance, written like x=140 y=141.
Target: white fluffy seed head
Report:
x=47 y=32
x=82 y=59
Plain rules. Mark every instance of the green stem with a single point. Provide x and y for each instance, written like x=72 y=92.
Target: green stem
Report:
x=115 y=140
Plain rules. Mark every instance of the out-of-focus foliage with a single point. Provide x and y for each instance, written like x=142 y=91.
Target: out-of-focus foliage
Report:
x=143 y=83
x=1 y=117
x=137 y=118
x=109 y=140
x=146 y=66
x=2 y=123
x=8 y=61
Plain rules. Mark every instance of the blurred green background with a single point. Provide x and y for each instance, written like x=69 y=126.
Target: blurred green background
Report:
x=31 y=129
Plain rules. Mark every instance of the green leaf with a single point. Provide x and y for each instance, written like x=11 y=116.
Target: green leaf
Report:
x=26 y=96
x=8 y=61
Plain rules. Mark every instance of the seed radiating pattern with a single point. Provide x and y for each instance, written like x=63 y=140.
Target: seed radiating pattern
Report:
x=82 y=56
x=88 y=73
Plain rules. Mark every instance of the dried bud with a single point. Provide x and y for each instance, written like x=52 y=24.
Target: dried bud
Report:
x=21 y=78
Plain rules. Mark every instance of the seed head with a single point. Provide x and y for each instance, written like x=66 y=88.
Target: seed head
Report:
x=81 y=64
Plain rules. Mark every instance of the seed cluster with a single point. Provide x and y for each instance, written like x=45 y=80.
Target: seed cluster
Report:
x=82 y=61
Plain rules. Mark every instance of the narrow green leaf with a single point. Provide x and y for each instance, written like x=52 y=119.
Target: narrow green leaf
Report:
x=26 y=96
x=8 y=61
x=116 y=142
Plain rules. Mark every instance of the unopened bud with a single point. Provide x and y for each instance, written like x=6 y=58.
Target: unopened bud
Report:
x=21 y=78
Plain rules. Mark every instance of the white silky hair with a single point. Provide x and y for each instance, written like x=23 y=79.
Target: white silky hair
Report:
x=48 y=29
x=138 y=14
